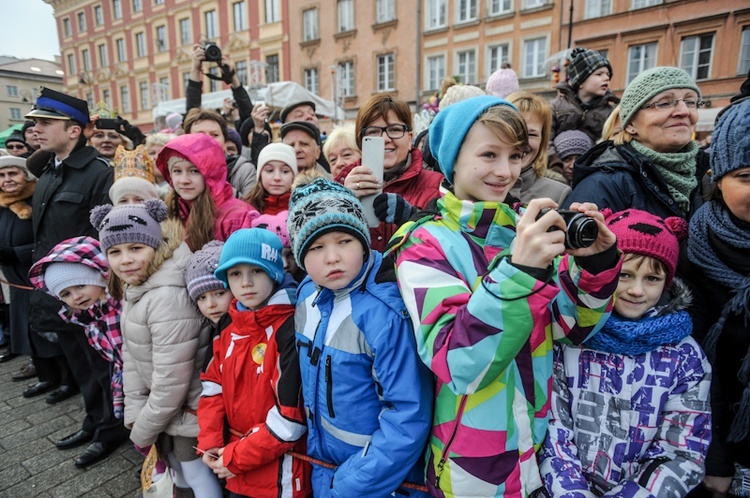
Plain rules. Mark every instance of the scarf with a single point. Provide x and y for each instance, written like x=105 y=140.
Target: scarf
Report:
x=676 y=168
x=397 y=170
x=17 y=202
x=629 y=337
x=713 y=220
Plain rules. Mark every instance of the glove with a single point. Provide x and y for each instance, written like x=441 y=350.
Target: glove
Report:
x=392 y=208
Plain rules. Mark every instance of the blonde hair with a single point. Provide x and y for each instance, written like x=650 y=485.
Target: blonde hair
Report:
x=612 y=126
x=530 y=103
x=507 y=125
x=159 y=139
x=340 y=135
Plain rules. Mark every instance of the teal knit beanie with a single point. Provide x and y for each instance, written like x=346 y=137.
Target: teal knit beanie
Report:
x=730 y=147
x=450 y=126
x=252 y=246
x=650 y=83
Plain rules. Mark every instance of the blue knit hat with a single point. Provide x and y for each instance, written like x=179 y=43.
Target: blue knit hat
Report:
x=730 y=146
x=320 y=207
x=650 y=83
x=450 y=126
x=252 y=246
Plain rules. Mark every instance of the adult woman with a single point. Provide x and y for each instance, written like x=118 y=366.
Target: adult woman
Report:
x=652 y=164
x=341 y=148
x=107 y=140
x=386 y=116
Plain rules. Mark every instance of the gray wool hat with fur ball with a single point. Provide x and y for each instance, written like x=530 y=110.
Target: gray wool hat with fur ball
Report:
x=650 y=83
x=130 y=223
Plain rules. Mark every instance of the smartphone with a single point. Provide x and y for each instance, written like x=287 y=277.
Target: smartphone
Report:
x=373 y=155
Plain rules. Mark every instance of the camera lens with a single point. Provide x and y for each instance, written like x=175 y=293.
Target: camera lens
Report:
x=582 y=231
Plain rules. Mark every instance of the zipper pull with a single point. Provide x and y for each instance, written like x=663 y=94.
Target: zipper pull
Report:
x=439 y=471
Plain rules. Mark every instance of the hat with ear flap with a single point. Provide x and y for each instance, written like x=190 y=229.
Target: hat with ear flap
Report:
x=130 y=223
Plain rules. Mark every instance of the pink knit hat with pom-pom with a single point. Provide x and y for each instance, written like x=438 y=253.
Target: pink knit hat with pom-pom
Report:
x=275 y=223
x=502 y=83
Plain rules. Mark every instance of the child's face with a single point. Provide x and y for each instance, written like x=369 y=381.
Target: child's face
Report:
x=187 y=180
x=276 y=177
x=131 y=199
x=486 y=167
x=334 y=260
x=534 y=125
x=290 y=265
x=81 y=297
x=595 y=85
x=213 y=304
x=250 y=284
x=130 y=261
x=639 y=289
x=568 y=166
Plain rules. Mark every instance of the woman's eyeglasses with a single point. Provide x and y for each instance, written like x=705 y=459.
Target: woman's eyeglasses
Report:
x=394 y=131
x=665 y=104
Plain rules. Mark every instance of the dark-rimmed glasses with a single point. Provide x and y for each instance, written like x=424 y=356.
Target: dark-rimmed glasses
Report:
x=15 y=147
x=665 y=104
x=394 y=131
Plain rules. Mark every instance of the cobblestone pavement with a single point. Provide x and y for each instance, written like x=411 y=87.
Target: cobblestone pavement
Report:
x=31 y=465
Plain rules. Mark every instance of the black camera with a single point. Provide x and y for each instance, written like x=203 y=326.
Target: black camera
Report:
x=581 y=230
x=212 y=52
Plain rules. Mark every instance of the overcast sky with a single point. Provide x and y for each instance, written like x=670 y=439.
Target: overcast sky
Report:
x=29 y=30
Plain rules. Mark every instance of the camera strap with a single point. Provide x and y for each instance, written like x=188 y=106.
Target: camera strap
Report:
x=226 y=75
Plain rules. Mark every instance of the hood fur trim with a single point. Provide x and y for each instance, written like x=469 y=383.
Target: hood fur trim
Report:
x=680 y=298
x=17 y=202
x=174 y=234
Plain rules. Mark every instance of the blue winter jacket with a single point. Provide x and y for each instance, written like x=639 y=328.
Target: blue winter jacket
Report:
x=368 y=397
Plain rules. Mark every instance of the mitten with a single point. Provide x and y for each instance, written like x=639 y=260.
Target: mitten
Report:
x=392 y=208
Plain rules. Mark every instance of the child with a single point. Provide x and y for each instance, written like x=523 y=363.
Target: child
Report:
x=251 y=389
x=366 y=395
x=277 y=167
x=164 y=342
x=75 y=271
x=134 y=177
x=488 y=290
x=203 y=200
x=570 y=145
x=630 y=409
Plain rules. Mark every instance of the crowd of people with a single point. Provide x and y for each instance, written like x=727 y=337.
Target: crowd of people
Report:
x=553 y=299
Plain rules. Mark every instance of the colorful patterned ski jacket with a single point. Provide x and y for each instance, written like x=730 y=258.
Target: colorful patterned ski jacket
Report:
x=485 y=328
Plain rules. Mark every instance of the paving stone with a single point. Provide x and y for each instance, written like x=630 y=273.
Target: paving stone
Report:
x=25 y=452
x=91 y=478
x=51 y=457
x=13 y=475
x=13 y=427
x=35 y=432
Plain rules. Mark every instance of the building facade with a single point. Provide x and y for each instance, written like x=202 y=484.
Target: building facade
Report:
x=20 y=80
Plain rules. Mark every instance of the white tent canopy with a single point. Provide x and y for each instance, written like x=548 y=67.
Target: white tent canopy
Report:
x=275 y=95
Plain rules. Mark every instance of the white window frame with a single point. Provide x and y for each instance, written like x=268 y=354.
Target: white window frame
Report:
x=385 y=11
x=98 y=15
x=125 y=98
x=643 y=62
x=86 y=58
x=346 y=83
x=137 y=6
x=690 y=58
x=537 y=61
x=81 y=17
x=185 y=31
x=143 y=97
x=273 y=71
x=598 y=8
x=117 y=9
x=122 y=53
x=466 y=66
x=210 y=19
x=140 y=44
x=11 y=90
x=239 y=13
x=161 y=38
x=499 y=7
x=72 y=64
x=436 y=14
x=240 y=69
x=107 y=97
x=66 y=26
x=312 y=80
x=310 y=24
x=345 y=15
x=496 y=55
x=466 y=10
x=103 y=59
x=743 y=62
x=273 y=11
x=642 y=4
x=436 y=71
x=386 y=72
x=533 y=4
x=15 y=114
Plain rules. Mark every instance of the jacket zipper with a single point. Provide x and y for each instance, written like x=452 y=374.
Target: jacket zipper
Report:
x=329 y=387
x=447 y=447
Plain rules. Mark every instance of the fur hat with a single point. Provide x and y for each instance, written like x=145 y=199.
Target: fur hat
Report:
x=252 y=246
x=199 y=272
x=502 y=83
x=457 y=93
x=584 y=63
x=646 y=234
x=730 y=147
x=59 y=276
x=275 y=223
x=134 y=175
x=650 y=83
x=278 y=152
x=572 y=142
x=320 y=207
x=130 y=223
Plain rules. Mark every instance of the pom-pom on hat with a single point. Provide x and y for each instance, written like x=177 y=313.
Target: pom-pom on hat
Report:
x=320 y=207
x=275 y=223
x=730 y=147
x=59 y=276
x=584 y=63
x=458 y=93
x=278 y=152
x=572 y=142
x=134 y=174
x=130 y=223
x=199 y=272
x=450 y=126
x=646 y=234
x=252 y=246
x=502 y=83
x=650 y=83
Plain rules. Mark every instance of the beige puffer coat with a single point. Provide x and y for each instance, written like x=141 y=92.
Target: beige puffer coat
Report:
x=164 y=346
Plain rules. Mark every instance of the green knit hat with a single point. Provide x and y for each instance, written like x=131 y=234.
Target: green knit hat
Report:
x=649 y=83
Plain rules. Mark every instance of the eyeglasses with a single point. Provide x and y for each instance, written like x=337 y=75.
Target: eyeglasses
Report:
x=15 y=147
x=394 y=131
x=665 y=104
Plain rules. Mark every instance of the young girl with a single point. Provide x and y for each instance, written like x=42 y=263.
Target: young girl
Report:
x=202 y=199
x=134 y=177
x=630 y=410
x=277 y=224
x=277 y=167
x=488 y=290
x=204 y=289
x=250 y=413
x=164 y=341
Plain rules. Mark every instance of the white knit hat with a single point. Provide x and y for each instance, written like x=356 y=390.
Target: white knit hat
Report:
x=59 y=276
x=278 y=152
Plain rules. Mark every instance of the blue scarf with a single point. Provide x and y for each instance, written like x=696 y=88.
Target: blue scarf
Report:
x=632 y=338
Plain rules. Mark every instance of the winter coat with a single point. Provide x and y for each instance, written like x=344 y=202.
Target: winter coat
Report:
x=193 y=98
x=485 y=329
x=164 y=345
x=241 y=174
x=253 y=386
x=274 y=204
x=366 y=395
x=569 y=113
x=618 y=177
x=231 y=213
x=628 y=426
x=418 y=186
x=530 y=186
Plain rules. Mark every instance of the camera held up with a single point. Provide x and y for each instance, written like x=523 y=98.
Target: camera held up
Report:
x=581 y=231
x=212 y=52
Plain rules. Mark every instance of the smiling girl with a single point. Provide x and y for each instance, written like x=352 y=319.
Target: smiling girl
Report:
x=277 y=166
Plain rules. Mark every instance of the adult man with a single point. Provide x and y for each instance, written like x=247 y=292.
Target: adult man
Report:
x=304 y=137
x=16 y=145
x=74 y=180
x=29 y=136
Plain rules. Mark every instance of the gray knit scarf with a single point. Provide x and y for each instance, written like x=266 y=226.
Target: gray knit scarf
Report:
x=676 y=168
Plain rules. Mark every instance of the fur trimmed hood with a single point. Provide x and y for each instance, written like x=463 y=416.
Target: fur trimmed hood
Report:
x=17 y=202
x=679 y=298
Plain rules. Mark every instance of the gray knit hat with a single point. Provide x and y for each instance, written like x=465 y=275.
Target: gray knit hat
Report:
x=129 y=223
x=649 y=83
x=572 y=142
x=16 y=162
x=59 y=276
x=199 y=272
x=730 y=147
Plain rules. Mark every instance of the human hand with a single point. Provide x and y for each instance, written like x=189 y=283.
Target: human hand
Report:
x=260 y=115
x=199 y=56
x=535 y=245
x=217 y=465
x=362 y=182
x=604 y=240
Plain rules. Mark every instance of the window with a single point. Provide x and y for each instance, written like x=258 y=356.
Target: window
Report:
x=532 y=4
x=86 y=59
x=211 y=30
x=743 y=66
x=140 y=44
x=385 y=10
x=98 y=15
x=696 y=52
x=137 y=5
x=161 y=38
x=81 y=21
x=12 y=90
x=120 y=46
x=240 y=16
x=466 y=66
x=164 y=87
x=466 y=10
x=117 y=9
x=71 y=64
x=273 y=13
x=143 y=85
x=15 y=113
x=598 y=8
x=436 y=13
x=90 y=99
x=535 y=53
x=240 y=68
x=272 y=69
x=496 y=55
x=107 y=98
x=66 y=26
x=311 y=80
x=640 y=58
x=346 y=83
x=639 y=4
x=213 y=84
x=310 y=29
x=435 y=71
x=386 y=73
x=185 y=32
x=125 y=98
x=346 y=15
x=498 y=7
x=103 y=62
x=158 y=2
x=185 y=79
